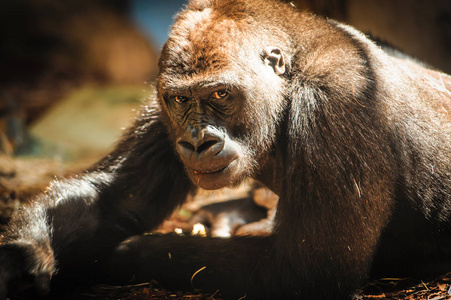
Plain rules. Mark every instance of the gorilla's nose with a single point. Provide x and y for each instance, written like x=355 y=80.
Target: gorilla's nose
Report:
x=200 y=143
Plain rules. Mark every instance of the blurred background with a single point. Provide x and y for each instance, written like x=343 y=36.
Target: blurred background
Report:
x=72 y=71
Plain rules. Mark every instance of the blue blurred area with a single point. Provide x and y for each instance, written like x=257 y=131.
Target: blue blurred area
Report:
x=154 y=17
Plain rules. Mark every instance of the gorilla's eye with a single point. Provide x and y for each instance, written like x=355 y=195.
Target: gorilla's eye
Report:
x=219 y=94
x=180 y=99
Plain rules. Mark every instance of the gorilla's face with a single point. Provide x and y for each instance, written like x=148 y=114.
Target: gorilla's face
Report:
x=204 y=120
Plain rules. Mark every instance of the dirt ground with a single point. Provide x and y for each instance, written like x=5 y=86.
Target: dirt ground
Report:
x=21 y=178
x=391 y=289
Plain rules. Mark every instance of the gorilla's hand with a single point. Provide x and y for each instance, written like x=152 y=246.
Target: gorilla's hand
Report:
x=25 y=267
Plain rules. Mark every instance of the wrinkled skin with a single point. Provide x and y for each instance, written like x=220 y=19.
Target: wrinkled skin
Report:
x=356 y=144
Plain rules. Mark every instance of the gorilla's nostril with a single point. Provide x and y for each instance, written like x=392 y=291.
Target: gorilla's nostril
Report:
x=197 y=148
x=187 y=146
x=206 y=145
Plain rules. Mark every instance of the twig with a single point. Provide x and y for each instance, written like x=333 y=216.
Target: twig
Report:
x=195 y=273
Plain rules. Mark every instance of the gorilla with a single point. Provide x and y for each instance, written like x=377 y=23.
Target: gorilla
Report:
x=356 y=143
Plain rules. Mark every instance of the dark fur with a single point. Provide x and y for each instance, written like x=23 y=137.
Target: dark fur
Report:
x=356 y=143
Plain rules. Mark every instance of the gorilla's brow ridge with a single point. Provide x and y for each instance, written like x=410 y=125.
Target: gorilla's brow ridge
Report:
x=205 y=83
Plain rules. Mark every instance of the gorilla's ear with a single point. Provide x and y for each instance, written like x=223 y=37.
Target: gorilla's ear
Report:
x=275 y=58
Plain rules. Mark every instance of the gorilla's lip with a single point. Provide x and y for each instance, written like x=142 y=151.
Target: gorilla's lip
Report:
x=216 y=178
x=197 y=172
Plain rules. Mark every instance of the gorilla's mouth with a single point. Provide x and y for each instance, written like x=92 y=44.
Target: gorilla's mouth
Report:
x=209 y=172
x=211 y=179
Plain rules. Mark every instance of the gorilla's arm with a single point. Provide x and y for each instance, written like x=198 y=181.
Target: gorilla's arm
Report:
x=302 y=256
x=222 y=266
x=71 y=227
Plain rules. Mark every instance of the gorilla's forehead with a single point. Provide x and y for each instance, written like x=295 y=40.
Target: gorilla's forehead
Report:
x=202 y=40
